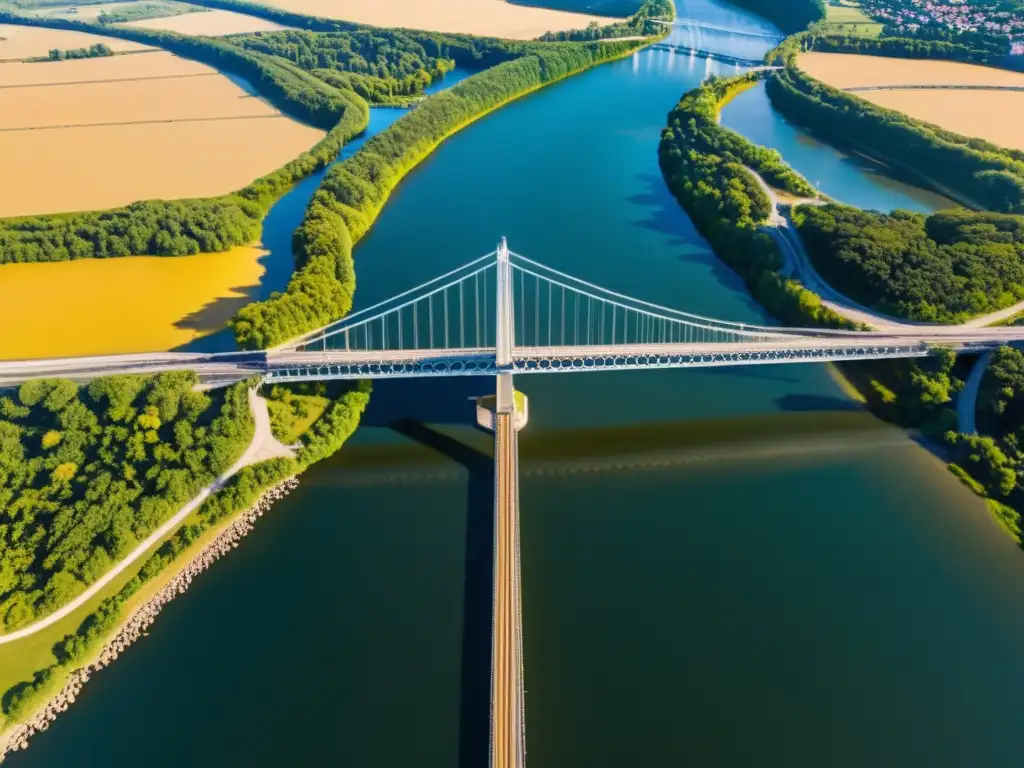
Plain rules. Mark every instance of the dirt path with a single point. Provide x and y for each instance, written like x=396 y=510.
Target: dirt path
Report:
x=262 y=447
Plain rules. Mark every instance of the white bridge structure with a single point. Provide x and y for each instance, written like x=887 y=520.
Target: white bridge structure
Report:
x=501 y=315
x=549 y=322
x=505 y=313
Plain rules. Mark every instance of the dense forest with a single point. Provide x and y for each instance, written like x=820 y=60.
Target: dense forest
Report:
x=353 y=192
x=946 y=267
x=703 y=165
x=104 y=498
x=370 y=62
x=788 y=15
x=88 y=472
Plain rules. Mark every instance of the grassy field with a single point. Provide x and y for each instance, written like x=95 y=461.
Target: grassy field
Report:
x=294 y=414
x=847 y=18
x=143 y=127
x=476 y=17
x=134 y=304
x=996 y=116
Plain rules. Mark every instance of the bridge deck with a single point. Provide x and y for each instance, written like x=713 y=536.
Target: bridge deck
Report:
x=508 y=726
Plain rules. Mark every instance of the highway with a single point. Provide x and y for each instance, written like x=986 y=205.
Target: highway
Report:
x=508 y=723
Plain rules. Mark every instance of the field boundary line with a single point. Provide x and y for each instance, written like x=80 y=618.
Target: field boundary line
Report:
x=144 y=122
x=111 y=80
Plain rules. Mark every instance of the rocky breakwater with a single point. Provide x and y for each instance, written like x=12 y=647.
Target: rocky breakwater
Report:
x=135 y=626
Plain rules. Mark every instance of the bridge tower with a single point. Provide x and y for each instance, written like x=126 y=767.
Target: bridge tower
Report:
x=505 y=330
x=508 y=715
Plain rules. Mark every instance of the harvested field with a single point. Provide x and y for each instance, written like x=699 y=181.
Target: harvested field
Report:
x=211 y=23
x=133 y=304
x=98 y=133
x=30 y=42
x=995 y=116
x=849 y=70
x=476 y=17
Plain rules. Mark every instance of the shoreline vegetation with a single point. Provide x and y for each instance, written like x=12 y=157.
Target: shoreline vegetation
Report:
x=704 y=166
x=242 y=493
x=348 y=201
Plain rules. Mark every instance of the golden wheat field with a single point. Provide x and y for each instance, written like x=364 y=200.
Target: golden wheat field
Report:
x=211 y=23
x=134 y=304
x=29 y=42
x=495 y=18
x=98 y=133
x=996 y=116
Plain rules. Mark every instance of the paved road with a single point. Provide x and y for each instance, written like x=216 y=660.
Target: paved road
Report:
x=508 y=736
x=263 y=446
x=798 y=264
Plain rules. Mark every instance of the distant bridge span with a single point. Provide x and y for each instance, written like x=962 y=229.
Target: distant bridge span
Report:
x=694 y=24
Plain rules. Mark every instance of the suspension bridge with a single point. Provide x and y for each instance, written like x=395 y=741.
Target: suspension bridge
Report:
x=502 y=315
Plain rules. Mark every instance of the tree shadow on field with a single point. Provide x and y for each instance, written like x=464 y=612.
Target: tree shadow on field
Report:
x=474 y=709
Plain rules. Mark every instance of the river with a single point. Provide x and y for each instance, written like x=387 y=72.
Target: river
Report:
x=720 y=568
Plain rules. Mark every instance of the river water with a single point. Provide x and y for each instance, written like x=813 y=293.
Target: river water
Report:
x=720 y=568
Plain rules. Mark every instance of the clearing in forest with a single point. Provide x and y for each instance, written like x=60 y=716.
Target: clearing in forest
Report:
x=211 y=23
x=495 y=18
x=98 y=133
x=995 y=116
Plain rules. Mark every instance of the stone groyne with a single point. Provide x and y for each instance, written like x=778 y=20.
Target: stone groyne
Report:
x=135 y=626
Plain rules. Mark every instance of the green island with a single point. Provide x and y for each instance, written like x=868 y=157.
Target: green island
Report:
x=92 y=470
x=948 y=267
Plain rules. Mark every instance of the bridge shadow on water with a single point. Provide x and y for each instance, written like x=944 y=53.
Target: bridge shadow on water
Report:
x=407 y=408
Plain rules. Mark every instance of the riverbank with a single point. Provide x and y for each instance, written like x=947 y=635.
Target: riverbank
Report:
x=133 y=628
x=910 y=394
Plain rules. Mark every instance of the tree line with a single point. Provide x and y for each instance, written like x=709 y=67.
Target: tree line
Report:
x=991 y=175
x=946 y=267
x=392 y=59
x=354 y=191
x=704 y=167
x=96 y=51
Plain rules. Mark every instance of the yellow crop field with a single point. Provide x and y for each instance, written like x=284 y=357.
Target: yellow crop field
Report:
x=133 y=304
x=849 y=70
x=211 y=23
x=495 y=18
x=29 y=42
x=995 y=116
x=98 y=133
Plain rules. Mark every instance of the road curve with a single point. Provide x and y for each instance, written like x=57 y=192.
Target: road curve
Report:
x=967 y=400
x=798 y=264
x=262 y=446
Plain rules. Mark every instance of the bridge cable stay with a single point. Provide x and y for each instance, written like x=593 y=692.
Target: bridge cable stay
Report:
x=395 y=323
